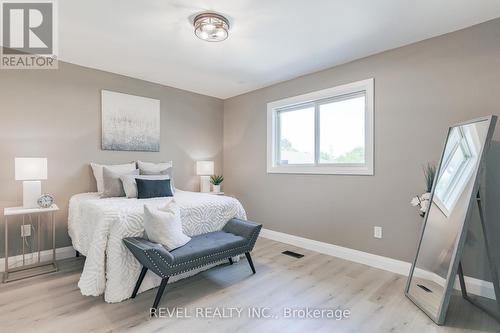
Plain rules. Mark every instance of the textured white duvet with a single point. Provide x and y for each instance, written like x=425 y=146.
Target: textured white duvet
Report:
x=97 y=227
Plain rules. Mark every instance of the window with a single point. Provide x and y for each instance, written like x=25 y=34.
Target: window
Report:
x=324 y=132
x=459 y=159
x=296 y=135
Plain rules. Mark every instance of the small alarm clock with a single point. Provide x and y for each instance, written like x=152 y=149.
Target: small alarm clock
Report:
x=45 y=200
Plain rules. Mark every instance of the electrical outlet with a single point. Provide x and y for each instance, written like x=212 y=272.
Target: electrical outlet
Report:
x=377 y=232
x=26 y=230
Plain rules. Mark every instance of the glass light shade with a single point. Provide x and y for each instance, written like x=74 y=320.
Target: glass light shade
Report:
x=211 y=27
x=205 y=168
x=30 y=168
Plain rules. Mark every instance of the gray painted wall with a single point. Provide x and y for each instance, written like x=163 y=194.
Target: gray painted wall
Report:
x=57 y=114
x=420 y=90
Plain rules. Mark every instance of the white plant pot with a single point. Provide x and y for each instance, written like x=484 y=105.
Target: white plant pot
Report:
x=216 y=188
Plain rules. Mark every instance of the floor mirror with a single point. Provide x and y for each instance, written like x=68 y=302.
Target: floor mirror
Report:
x=456 y=193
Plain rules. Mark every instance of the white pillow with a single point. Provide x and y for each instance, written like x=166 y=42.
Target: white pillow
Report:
x=148 y=168
x=118 y=168
x=163 y=225
x=130 y=185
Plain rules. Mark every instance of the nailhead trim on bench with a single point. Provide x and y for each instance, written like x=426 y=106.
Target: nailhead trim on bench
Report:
x=204 y=264
x=253 y=239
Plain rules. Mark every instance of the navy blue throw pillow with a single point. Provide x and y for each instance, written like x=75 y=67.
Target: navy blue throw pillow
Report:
x=148 y=188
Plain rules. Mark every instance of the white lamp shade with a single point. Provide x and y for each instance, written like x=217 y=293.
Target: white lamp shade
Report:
x=205 y=168
x=30 y=168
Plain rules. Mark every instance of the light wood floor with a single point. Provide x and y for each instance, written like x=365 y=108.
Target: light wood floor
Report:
x=53 y=303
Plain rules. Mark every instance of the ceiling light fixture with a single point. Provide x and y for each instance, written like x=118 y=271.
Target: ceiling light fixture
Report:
x=211 y=27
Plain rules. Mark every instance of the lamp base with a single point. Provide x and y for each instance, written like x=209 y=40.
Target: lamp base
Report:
x=32 y=189
x=204 y=184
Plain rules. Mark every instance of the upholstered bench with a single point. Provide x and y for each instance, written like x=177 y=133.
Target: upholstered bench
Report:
x=237 y=237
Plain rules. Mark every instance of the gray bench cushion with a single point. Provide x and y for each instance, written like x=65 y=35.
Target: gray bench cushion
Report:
x=206 y=245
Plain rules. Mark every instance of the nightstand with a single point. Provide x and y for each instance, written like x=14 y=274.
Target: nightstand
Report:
x=35 y=266
x=216 y=193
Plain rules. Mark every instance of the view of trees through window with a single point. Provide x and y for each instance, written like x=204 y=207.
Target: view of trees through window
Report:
x=341 y=132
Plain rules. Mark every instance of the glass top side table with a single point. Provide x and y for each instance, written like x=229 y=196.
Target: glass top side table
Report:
x=35 y=266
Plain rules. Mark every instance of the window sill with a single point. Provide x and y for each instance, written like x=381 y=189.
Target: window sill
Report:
x=363 y=170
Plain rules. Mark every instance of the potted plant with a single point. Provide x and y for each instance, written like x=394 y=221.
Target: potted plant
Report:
x=216 y=180
x=423 y=200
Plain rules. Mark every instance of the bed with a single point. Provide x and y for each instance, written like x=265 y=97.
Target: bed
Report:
x=97 y=226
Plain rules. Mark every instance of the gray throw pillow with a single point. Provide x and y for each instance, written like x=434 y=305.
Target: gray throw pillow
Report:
x=165 y=172
x=148 y=168
x=113 y=186
x=118 y=168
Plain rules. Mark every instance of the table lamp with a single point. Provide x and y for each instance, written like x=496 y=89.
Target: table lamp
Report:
x=31 y=170
x=205 y=169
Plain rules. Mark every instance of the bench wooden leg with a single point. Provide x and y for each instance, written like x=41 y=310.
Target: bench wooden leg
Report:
x=139 y=281
x=250 y=262
x=230 y=261
x=160 y=292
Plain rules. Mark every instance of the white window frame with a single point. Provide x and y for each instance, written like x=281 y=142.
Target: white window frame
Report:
x=273 y=108
x=463 y=172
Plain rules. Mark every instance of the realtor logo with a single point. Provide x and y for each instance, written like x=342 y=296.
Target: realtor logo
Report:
x=28 y=35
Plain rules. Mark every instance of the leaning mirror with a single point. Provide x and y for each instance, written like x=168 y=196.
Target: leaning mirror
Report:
x=454 y=192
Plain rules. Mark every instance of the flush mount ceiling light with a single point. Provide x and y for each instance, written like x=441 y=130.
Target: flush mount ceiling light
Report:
x=211 y=27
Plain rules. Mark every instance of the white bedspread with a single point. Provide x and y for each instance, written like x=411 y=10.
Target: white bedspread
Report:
x=97 y=227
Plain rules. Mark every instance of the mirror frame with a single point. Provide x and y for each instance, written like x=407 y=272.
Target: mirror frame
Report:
x=439 y=318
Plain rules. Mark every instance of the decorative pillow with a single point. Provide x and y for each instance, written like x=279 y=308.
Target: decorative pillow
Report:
x=148 y=168
x=130 y=185
x=163 y=225
x=113 y=186
x=118 y=168
x=147 y=188
x=164 y=168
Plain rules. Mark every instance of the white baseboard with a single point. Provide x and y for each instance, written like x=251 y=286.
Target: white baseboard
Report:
x=474 y=286
x=373 y=260
x=61 y=253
